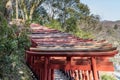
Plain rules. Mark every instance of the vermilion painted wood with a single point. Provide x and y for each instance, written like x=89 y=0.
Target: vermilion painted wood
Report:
x=74 y=54
x=54 y=68
x=74 y=67
x=94 y=68
x=43 y=61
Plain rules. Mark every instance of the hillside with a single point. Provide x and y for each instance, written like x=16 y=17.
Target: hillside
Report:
x=110 y=31
x=107 y=30
x=110 y=23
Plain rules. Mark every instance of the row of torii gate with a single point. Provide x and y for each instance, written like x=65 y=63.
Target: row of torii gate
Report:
x=79 y=59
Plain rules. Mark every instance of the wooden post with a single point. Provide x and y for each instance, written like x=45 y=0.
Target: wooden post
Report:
x=94 y=68
x=46 y=68
x=52 y=74
x=68 y=66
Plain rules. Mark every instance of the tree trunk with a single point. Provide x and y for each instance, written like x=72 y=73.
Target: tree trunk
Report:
x=25 y=13
x=23 y=16
x=17 y=9
x=31 y=11
x=8 y=12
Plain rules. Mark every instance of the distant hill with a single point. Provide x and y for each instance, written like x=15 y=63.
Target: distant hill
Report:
x=108 y=30
x=110 y=23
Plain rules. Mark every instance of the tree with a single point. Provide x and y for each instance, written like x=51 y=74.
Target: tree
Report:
x=17 y=9
x=28 y=7
x=6 y=8
x=40 y=16
x=72 y=14
x=25 y=8
x=66 y=9
x=71 y=25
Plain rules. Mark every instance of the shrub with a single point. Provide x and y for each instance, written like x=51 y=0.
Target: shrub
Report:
x=107 y=77
x=54 y=24
x=70 y=28
x=12 y=46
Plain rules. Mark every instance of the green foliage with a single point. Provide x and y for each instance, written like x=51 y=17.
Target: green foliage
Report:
x=71 y=17
x=67 y=9
x=13 y=42
x=40 y=16
x=83 y=34
x=84 y=10
x=108 y=77
x=2 y=5
x=70 y=28
x=71 y=25
x=54 y=24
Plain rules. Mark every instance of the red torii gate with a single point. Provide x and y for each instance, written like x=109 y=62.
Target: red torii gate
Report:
x=78 y=58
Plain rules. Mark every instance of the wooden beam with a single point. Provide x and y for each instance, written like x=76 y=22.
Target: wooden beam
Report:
x=94 y=68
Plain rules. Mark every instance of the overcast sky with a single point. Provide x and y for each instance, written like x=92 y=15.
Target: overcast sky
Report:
x=107 y=9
